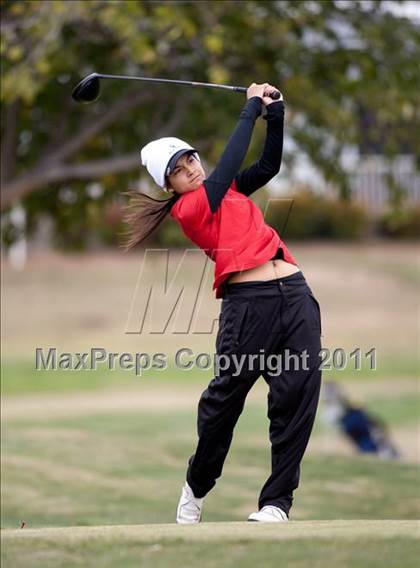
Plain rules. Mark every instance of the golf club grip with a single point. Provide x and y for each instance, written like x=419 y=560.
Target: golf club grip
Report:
x=275 y=95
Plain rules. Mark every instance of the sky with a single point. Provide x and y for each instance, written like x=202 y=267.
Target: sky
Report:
x=409 y=9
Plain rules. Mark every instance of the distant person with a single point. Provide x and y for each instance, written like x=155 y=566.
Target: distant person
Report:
x=267 y=304
x=369 y=434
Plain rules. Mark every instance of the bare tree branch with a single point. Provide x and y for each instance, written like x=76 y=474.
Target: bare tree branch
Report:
x=96 y=168
x=59 y=171
x=123 y=104
x=35 y=179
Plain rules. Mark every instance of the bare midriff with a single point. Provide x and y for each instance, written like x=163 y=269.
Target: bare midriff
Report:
x=270 y=270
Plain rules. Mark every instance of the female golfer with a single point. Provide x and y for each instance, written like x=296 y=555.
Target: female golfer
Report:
x=269 y=316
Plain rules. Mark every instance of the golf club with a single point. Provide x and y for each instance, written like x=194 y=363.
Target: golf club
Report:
x=88 y=90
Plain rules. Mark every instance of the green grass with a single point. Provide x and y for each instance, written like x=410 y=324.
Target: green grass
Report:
x=387 y=367
x=355 y=543
x=21 y=376
x=121 y=467
x=398 y=410
x=128 y=468
x=114 y=465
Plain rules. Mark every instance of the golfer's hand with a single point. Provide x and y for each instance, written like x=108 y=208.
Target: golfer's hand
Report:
x=260 y=90
x=255 y=90
x=268 y=100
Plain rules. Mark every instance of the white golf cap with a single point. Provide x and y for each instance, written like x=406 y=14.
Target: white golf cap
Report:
x=160 y=157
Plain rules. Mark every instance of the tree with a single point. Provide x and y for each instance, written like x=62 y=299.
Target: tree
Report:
x=336 y=62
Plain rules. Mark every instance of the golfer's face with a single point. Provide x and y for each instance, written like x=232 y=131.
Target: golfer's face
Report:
x=187 y=175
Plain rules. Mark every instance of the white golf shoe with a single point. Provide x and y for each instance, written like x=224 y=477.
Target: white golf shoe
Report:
x=269 y=514
x=189 y=507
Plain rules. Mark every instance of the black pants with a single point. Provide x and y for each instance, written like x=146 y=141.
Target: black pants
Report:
x=281 y=318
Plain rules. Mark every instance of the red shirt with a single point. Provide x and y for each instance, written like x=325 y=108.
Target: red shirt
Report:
x=235 y=237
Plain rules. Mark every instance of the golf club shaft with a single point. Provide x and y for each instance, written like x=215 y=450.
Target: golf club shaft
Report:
x=274 y=95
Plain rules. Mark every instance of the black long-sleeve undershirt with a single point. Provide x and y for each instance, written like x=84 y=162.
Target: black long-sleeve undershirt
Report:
x=257 y=175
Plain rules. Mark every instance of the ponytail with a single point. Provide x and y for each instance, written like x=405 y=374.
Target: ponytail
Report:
x=142 y=215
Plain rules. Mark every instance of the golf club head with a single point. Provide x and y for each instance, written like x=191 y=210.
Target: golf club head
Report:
x=87 y=91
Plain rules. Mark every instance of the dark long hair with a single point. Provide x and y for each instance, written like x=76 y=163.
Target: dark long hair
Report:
x=141 y=215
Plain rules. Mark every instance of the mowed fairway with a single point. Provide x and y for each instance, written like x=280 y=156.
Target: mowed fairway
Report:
x=363 y=543
x=93 y=462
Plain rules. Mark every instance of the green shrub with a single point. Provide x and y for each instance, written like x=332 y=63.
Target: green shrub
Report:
x=401 y=223
x=312 y=215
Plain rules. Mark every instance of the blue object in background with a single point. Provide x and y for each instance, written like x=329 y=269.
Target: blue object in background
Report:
x=357 y=425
